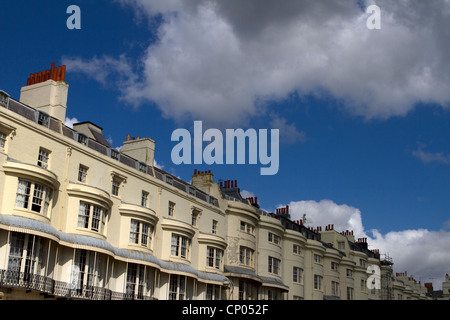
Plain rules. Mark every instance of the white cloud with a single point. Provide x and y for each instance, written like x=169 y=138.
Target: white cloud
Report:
x=157 y=165
x=429 y=157
x=327 y=212
x=222 y=60
x=423 y=253
x=247 y=194
x=69 y=122
x=108 y=71
x=420 y=252
x=288 y=132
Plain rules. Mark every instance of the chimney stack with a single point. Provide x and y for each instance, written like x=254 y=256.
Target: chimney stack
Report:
x=47 y=91
x=141 y=149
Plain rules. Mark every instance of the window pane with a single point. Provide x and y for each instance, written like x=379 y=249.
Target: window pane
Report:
x=175 y=245
x=2 y=140
x=16 y=251
x=38 y=196
x=134 y=231
x=48 y=196
x=83 y=215
x=95 y=218
x=43 y=158
x=23 y=194
x=144 y=237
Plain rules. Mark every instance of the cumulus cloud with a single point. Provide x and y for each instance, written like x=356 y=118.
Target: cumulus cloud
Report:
x=327 y=212
x=423 y=253
x=69 y=122
x=420 y=252
x=223 y=60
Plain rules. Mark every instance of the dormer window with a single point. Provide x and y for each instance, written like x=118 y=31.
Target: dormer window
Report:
x=43 y=119
x=169 y=180
x=82 y=139
x=213 y=201
x=142 y=167
x=114 y=154
x=192 y=191
x=3 y=98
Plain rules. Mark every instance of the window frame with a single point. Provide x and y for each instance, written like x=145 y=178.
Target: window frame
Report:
x=136 y=281
x=296 y=249
x=334 y=266
x=36 y=196
x=350 y=292
x=246 y=256
x=145 y=199
x=213 y=292
x=43 y=119
x=3 y=140
x=317 y=258
x=247 y=227
x=82 y=173
x=140 y=236
x=274 y=238
x=297 y=275
x=171 y=209
x=274 y=265
x=334 y=288
x=214 y=257
x=180 y=246
x=115 y=187
x=26 y=254
x=95 y=224
x=82 y=139
x=43 y=158
x=214 y=226
x=318 y=282
x=177 y=287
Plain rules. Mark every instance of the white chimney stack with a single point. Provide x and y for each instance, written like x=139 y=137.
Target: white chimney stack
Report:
x=47 y=91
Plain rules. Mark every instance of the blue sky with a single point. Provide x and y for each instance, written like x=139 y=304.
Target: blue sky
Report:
x=363 y=114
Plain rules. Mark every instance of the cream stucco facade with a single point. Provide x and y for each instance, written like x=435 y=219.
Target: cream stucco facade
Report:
x=82 y=220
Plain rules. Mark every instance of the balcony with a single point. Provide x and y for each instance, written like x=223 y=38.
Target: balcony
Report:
x=60 y=289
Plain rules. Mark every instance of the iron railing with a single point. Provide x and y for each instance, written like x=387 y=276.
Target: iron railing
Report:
x=60 y=289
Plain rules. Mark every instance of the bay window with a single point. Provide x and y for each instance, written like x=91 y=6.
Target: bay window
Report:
x=214 y=257
x=141 y=233
x=274 y=265
x=92 y=217
x=33 y=196
x=246 y=256
x=180 y=246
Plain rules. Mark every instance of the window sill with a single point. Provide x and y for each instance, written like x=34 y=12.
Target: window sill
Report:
x=179 y=259
x=31 y=214
x=90 y=233
x=138 y=247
